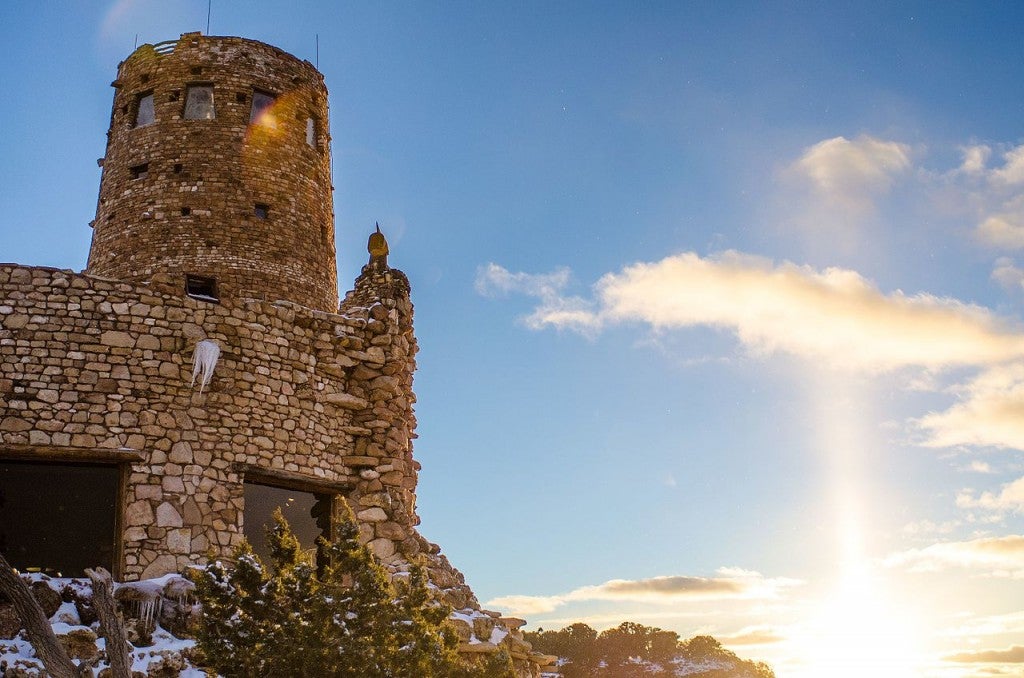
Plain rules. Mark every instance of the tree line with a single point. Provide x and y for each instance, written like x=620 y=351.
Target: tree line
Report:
x=632 y=650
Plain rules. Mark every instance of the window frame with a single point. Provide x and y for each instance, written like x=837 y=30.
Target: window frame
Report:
x=137 y=108
x=194 y=281
x=189 y=88
x=254 y=114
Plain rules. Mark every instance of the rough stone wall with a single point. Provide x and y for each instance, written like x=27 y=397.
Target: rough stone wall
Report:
x=193 y=209
x=101 y=369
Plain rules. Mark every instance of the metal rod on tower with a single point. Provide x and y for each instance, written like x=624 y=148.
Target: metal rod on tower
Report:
x=318 y=51
x=209 y=8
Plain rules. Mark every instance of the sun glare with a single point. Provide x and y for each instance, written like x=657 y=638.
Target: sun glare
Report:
x=858 y=631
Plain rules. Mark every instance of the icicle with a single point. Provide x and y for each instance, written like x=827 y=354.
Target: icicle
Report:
x=204 y=359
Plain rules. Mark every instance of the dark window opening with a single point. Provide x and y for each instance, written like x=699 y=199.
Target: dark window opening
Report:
x=175 y=95
x=196 y=70
x=261 y=101
x=240 y=97
x=140 y=171
x=201 y=288
x=199 y=102
x=308 y=514
x=145 y=77
x=262 y=211
x=177 y=168
x=145 y=114
x=185 y=211
x=58 y=518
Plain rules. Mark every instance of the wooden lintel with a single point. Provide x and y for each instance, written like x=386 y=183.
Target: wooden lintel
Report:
x=99 y=455
x=291 y=479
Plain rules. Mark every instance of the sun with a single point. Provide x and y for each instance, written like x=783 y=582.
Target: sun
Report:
x=860 y=631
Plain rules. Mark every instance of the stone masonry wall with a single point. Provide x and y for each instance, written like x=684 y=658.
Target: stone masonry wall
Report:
x=100 y=368
x=178 y=195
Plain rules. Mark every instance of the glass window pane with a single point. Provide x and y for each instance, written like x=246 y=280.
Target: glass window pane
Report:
x=144 y=113
x=307 y=513
x=260 y=102
x=199 y=103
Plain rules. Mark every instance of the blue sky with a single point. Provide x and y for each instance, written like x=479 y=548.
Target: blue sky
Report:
x=719 y=301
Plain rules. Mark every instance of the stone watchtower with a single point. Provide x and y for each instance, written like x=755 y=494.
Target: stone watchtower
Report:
x=155 y=408
x=217 y=174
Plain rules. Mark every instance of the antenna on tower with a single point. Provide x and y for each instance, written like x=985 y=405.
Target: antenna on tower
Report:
x=317 y=51
x=209 y=8
x=136 y=46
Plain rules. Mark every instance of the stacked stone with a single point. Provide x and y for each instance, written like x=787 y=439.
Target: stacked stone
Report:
x=179 y=196
x=99 y=370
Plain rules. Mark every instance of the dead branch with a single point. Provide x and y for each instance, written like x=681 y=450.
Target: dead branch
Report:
x=49 y=650
x=118 y=653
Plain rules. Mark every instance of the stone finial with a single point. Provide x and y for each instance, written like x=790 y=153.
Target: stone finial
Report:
x=377 y=246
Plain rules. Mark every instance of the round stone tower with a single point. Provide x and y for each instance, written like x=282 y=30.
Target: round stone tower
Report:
x=217 y=175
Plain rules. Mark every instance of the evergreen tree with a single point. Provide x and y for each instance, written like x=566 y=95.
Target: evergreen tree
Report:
x=349 y=621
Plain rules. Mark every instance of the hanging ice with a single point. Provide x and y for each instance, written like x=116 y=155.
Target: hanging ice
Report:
x=204 y=359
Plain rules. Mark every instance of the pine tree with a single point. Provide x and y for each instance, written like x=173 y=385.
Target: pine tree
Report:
x=349 y=621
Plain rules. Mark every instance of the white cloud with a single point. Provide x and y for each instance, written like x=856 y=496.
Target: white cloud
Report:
x=975 y=159
x=1008 y=275
x=555 y=309
x=978 y=466
x=991 y=412
x=494 y=280
x=1012 y=171
x=1004 y=230
x=930 y=527
x=730 y=583
x=850 y=173
x=834 y=316
x=1009 y=498
x=997 y=556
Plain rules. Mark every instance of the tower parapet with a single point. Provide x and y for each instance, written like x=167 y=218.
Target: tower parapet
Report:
x=217 y=174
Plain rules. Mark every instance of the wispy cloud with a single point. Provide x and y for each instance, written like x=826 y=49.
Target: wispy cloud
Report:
x=989 y=625
x=555 y=308
x=851 y=173
x=752 y=635
x=990 y=412
x=730 y=583
x=833 y=315
x=1012 y=655
x=1009 y=498
x=1008 y=275
x=996 y=556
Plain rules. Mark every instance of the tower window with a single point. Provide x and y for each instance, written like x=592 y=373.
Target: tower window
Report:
x=311 y=131
x=177 y=168
x=201 y=288
x=262 y=211
x=186 y=211
x=140 y=171
x=240 y=97
x=199 y=102
x=261 y=101
x=144 y=112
